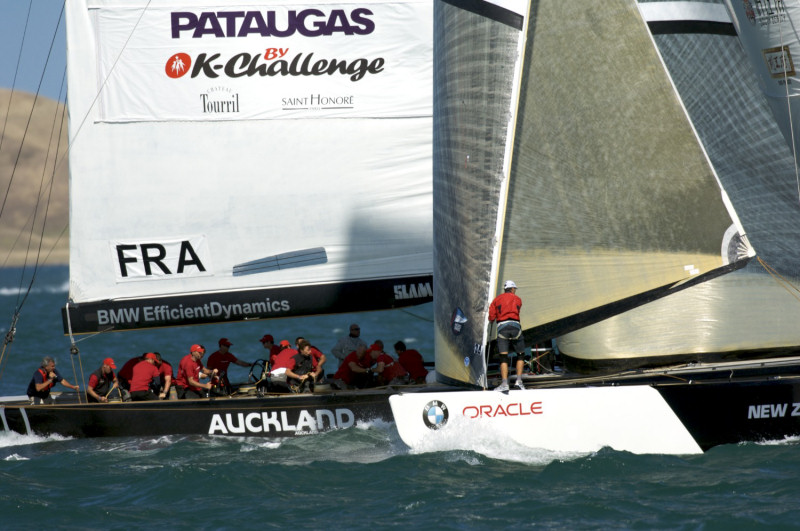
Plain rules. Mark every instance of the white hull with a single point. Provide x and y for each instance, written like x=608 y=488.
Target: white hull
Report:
x=634 y=419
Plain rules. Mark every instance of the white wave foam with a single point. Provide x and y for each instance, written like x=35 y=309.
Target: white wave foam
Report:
x=786 y=441
x=489 y=443
x=13 y=291
x=16 y=457
x=12 y=438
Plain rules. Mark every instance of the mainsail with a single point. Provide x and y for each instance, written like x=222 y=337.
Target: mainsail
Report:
x=564 y=160
x=754 y=311
x=254 y=160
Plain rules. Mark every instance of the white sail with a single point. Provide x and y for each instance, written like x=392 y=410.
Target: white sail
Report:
x=247 y=160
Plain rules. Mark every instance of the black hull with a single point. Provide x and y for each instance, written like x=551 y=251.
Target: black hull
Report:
x=717 y=404
x=271 y=416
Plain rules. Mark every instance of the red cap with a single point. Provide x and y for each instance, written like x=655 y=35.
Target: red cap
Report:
x=197 y=348
x=267 y=338
x=150 y=356
x=285 y=343
x=109 y=362
x=375 y=347
x=224 y=341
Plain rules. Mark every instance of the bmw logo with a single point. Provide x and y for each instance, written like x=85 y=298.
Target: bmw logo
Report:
x=435 y=414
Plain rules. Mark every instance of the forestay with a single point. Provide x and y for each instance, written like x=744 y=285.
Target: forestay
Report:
x=248 y=160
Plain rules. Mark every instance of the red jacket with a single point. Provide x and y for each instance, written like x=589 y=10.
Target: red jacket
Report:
x=505 y=307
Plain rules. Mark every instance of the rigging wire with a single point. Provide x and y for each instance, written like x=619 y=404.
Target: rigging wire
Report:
x=16 y=72
x=49 y=194
x=780 y=279
x=30 y=115
x=9 y=337
x=421 y=318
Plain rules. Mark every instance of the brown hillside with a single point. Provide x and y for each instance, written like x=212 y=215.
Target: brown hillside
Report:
x=28 y=170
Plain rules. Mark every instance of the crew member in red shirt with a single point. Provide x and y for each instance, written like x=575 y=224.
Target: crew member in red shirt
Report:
x=144 y=373
x=281 y=361
x=504 y=309
x=102 y=382
x=220 y=361
x=355 y=368
x=412 y=361
x=188 y=383
x=387 y=370
x=165 y=377
x=269 y=344
x=126 y=372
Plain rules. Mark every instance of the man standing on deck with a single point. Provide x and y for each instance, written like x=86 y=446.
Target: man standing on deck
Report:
x=505 y=310
x=44 y=379
x=348 y=344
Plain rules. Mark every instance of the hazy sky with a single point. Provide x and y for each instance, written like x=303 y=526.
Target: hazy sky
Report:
x=28 y=59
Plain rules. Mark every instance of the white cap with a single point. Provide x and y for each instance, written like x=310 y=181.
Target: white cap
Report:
x=509 y=284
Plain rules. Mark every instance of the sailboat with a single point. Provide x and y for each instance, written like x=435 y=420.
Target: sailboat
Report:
x=236 y=164
x=599 y=184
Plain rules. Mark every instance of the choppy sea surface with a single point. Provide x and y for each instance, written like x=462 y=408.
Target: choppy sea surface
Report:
x=362 y=477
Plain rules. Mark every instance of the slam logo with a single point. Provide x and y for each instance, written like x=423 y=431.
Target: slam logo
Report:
x=178 y=65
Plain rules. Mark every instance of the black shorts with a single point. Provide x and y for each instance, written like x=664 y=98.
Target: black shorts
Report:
x=185 y=392
x=510 y=335
x=137 y=396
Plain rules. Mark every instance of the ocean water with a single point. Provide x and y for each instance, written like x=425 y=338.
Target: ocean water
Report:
x=363 y=477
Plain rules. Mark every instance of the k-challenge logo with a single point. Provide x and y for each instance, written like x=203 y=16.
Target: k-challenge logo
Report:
x=274 y=61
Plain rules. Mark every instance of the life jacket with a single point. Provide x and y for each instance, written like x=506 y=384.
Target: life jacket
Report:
x=46 y=378
x=44 y=393
x=302 y=364
x=103 y=383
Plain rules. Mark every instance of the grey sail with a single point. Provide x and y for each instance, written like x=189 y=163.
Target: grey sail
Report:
x=752 y=312
x=569 y=166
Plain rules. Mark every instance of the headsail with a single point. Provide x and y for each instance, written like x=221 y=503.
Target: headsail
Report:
x=567 y=164
x=244 y=162
x=752 y=312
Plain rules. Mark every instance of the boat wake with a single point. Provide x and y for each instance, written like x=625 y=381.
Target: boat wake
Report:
x=463 y=444
x=9 y=439
x=786 y=441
